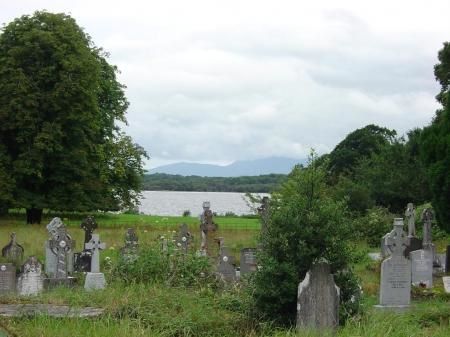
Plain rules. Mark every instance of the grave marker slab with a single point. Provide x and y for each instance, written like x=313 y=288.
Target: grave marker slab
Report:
x=318 y=299
x=31 y=281
x=129 y=252
x=13 y=252
x=58 y=232
x=95 y=279
x=248 y=261
x=183 y=238
x=7 y=278
x=421 y=268
x=446 y=281
x=225 y=267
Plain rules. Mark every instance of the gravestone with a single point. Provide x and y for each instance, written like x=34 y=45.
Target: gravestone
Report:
x=207 y=227
x=410 y=215
x=13 y=252
x=55 y=228
x=248 y=261
x=447 y=260
x=7 y=278
x=82 y=260
x=88 y=225
x=446 y=281
x=427 y=218
x=129 y=252
x=318 y=299
x=395 y=287
x=385 y=249
x=421 y=268
x=95 y=279
x=225 y=267
x=183 y=238
x=31 y=281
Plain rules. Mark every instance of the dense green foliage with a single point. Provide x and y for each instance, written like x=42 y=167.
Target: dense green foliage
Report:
x=247 y=184
x=435 y=146
x=306 y=224
x=60 y=146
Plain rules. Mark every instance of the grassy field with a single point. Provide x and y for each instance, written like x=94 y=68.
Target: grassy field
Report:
x=159 y=310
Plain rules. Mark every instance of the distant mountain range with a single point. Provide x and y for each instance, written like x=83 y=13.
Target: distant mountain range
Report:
x=279 y=165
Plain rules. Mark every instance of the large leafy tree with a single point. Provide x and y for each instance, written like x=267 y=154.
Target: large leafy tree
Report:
x=435 y=143
x=61 y=147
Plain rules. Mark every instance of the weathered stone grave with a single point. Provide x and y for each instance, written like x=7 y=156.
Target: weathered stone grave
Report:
x=395 y=287
x=421 y=268
x=207 y=227
x=129 y=252
x=95 y=279
x=7 y=278
x=225 y=267
x=318 y=299
x=13 y=252
x=57 y=231
x=446 y=281
x=248 y=262
x=82 y=260
x=183 y=239
x=61 y=246
x=410 y=216
x=31 y=281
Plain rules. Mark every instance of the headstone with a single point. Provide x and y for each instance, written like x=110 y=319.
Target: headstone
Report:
x=248 y=261
x=82 y=260
x=446 y=281
x=31 y=281
x=13 y=252
x=7 y=278
x=57 y=230
x=447 y=260
x=88 y=225
x=421 y=268
x=395 y=287
x=427 y=218
x=318 y=299
x=410 y=214
x=207 y=226
x=226 y=268
x=95 y=279
x=130 y=251
x=183 y=238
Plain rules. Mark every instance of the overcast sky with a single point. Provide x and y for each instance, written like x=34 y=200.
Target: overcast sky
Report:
x=218 y=81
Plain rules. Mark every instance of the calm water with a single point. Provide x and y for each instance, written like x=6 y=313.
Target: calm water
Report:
x=175 y=203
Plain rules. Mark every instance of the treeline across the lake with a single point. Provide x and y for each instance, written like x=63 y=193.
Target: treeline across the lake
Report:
x=246 y=184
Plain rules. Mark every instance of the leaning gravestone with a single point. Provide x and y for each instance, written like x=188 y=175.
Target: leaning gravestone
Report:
x=395 y=287
x=55 y=229
x=318 y=299
x=129 y=252
x=95 y=279
x=31 y=281
x=7 y=278
x=446 y=281
x=421 y=268
x=13 y=252
x=248 y=261
x=226 y=268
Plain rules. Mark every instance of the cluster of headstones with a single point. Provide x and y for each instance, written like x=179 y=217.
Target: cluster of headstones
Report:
x=60 y=262
x=409 y=260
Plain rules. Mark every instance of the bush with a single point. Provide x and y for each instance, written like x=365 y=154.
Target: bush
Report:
x=187 y=213
x=374 y=225
x=306 y=224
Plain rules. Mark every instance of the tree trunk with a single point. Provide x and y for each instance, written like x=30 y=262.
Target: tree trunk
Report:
x=34 y=215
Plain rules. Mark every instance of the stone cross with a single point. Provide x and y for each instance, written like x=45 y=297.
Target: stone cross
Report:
x=427 y=218
x=61 y=244
x=88 y=225
x=396 y=240
x=410 y=218
x=207 y=226
x=95 y=246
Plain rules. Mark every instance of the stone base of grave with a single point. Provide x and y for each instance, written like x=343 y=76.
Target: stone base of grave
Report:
x=95 y=281
x=50 y=283
x=392 y=307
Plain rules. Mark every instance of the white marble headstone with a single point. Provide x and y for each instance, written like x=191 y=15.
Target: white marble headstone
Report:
x=31 y=281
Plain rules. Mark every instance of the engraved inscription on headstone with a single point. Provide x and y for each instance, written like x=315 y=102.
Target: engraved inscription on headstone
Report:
x=421 y=268
x=7 y=278
x=226 y=268
x=248 y=261
x=59 y=241
x=31 y=281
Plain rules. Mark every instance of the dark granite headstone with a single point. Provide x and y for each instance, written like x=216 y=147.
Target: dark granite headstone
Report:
x=82 y=261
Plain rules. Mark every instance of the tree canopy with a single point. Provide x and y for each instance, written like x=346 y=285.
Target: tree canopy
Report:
x=61 y=146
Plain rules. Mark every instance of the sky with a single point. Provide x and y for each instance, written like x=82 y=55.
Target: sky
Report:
x=218 y=81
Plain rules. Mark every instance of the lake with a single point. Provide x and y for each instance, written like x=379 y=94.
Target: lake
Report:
x=174 y=203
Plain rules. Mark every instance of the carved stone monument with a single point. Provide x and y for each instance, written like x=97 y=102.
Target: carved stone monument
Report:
x=95 y=279
x=421 y=268
x=57 y=229
x=183 y=238
x=130 y=251
x=31 y=281
x=13 y=252
x=318 y=299
x=7 y=278
x=225 y=267
x=82 y=260
x=207 y=226
x=410 y=214
x=248 y=261
x=395 y=287
x=427 y=218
